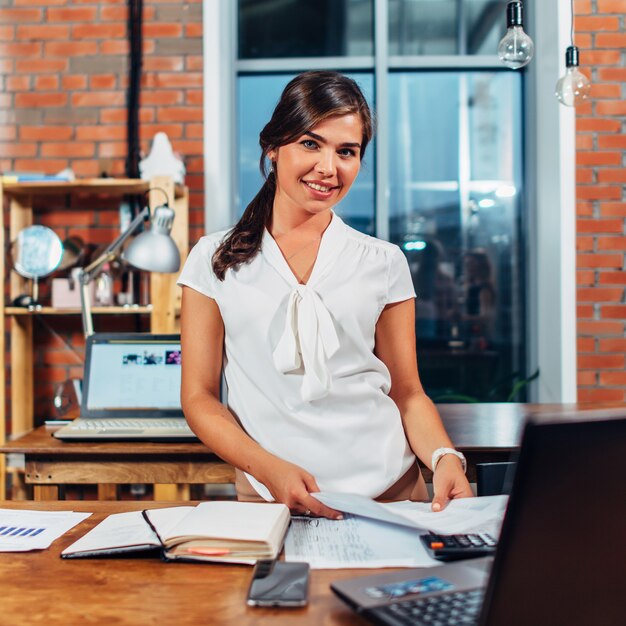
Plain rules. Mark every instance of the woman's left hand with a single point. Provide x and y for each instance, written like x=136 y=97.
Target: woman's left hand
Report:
x=449 y=482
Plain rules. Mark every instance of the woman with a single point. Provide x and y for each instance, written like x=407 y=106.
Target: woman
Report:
x=314 y=325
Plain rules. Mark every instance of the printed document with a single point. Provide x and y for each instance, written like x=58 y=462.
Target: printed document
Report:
x=22 y=531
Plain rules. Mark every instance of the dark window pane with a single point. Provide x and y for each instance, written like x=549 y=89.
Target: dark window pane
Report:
x=258 y=95
x=434 y=27
x=455 y=211
x=305 y=28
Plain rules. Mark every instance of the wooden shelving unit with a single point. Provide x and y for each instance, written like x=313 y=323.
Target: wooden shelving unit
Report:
x=164 y=295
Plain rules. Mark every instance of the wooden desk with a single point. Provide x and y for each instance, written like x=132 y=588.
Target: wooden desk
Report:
x=484 y=432
x=41 y=588
x=51 y=462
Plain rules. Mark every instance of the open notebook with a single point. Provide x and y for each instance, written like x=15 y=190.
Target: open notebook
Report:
x=131 y=390
x=222 y=531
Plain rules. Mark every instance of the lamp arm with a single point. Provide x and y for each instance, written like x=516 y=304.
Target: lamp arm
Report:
x=112 y=249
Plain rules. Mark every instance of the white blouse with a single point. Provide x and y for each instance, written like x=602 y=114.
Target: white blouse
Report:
x=299 y=359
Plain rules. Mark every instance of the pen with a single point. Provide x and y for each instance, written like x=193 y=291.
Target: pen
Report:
x=208 y=551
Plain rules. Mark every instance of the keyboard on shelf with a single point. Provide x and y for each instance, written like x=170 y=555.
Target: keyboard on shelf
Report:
x=102 y=425
x=455 y=547
x=448 y=609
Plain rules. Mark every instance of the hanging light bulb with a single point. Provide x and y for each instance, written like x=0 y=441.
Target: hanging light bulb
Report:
x=516 y=48
x=573 y=87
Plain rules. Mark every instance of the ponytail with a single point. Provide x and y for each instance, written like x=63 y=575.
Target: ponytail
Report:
x=244 y=240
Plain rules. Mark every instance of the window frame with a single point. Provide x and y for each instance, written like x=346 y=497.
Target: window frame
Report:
x=549 y=218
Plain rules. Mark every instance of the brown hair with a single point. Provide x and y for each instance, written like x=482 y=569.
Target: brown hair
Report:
x=306 y=101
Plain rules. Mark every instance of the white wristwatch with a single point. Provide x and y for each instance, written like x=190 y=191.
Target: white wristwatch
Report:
x=440 y=452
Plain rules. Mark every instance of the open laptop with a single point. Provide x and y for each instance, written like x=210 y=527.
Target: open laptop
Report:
x=561 y=556
x=131 y=390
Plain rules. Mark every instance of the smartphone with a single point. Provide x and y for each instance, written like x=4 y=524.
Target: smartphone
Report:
x=277 y=583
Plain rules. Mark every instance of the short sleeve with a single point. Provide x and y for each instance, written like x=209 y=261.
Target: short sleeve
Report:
x=399 y=280
x=197 y=272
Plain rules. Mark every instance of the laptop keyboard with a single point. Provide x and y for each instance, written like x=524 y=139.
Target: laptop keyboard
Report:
x=449 y=609
x=102 y=425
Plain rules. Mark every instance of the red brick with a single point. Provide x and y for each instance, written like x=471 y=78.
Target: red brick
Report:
x=582 y=7
x=45 y=82
x=613 y=209
x=596 y=23
x=584 y=208
x=74 y=82
x=45 y=133
x=585 y=344
x=195 y=30
x=115 y=14
x=11 y=16
x=103 y=81
x=194 y=131
x=49 y=31
x=600 y=361
x=43 y=66
x=584 y=244
x=99 y=31
x=194 y=63
x=612 y=141
x=611 y=6
x=7 y=133
x=164 y=64
x=18 y=149
x=610 y=40
x=584 y=310
x=613 y=311
x=23 y=100
x=100 y=133
x=195 y=97
x=112 y=149
x=599 y=226
x=175 y=80
x=604 y=90
x=588 y=378
x=611 y=108
x=592 y=124
x=584 y=175
x=585 y=277
x=584 y=141
x=587 y=157
x=613 y=344
x=114 y=47
x=600 y=395
x=173 y=131
x=613 y=378
x=612 y=74
x=31 y=50
x=86 y=168
x=180 y=114
x=599 y=294
x=70 y=48
x=600 y=260
x=612 y=243
x=98 y=98
x=158 y=30
x=74 y=14
x=18 y=83
x=612 y=278
x=595 y=328
x=599 y=192
x=161 y=98
x=72 y=149
x=48 y=166
x=610 y=175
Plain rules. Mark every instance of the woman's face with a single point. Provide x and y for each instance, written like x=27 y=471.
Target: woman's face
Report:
x=316 y=171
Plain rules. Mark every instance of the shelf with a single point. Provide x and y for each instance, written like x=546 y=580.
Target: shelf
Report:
x=93 y=186
x=97 y=310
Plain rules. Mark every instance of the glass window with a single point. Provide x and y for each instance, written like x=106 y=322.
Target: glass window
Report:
x=258 y=95
x=442 y=27
x=305 y=28
x=454 y=209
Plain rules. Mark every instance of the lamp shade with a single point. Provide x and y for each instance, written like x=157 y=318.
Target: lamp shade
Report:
x=154 y=250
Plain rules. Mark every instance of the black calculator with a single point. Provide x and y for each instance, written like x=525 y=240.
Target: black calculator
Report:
x=455 y=547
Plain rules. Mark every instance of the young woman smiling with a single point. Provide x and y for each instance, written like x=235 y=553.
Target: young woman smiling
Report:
x=313 y=325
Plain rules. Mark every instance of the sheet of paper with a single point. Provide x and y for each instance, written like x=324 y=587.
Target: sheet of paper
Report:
x=116 y=531
x=459 y=516
x=22 y=531
x=464 y=515
x=354 y=542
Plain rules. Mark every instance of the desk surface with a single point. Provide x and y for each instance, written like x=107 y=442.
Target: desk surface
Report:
x=41 y=588
x=472 y=427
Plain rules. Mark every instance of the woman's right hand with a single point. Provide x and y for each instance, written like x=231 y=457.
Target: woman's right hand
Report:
x=292 y=485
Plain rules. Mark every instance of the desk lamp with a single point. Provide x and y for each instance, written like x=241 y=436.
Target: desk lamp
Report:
x=152 y=251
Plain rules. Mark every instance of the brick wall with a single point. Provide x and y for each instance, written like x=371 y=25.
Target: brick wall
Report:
x=63 y=77
x=601 y=202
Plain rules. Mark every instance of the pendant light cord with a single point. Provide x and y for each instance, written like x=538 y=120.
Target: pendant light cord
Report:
x=572 y=22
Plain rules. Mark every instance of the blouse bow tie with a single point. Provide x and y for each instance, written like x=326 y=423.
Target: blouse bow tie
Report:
x=308 y=341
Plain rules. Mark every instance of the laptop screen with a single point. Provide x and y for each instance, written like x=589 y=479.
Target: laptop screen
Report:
x=132 y=375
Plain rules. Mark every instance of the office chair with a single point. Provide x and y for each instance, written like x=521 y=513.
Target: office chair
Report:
x=493 y=479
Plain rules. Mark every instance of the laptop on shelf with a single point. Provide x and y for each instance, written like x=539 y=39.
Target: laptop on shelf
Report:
x=131 y=390
x=561 y=556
